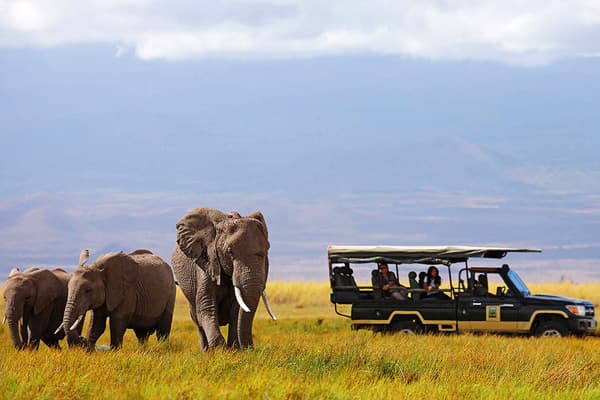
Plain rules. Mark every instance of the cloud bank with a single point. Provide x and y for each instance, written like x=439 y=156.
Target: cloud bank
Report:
x=511 y=31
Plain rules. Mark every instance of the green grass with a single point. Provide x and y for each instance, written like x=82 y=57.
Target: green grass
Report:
x=312 y=353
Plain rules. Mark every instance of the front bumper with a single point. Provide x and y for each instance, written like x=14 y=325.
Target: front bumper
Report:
x=583 y=325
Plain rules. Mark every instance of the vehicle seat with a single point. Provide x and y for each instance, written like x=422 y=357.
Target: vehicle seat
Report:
x=345 y=290
x=377 y=292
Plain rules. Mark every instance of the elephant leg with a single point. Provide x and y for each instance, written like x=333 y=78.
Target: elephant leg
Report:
x=34 y=343
x=232 y=334
x=203 y=340
x=118 y=326
x=142 y=335
x=37 y=326
x=25 y=329
x=163 y=329
x=96 y=328
x=51 y=342
x=210 y=328
x=206 y=311
x=34 y=336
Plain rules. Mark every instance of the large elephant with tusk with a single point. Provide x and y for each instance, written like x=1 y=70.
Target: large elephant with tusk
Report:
x=134 y=291
x=35 y=301
x=221 y=264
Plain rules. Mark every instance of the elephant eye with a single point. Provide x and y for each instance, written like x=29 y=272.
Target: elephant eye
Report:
x=87 y=290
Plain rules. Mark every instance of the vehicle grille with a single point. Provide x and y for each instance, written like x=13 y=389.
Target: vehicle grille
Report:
x=589 y=311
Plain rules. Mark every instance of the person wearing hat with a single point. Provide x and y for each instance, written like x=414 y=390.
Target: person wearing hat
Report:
x=387 y=281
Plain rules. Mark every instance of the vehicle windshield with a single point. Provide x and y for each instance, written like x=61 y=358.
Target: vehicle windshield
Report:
x=521 y=286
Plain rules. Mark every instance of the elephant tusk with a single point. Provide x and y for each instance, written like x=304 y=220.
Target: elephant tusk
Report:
x=268 y=306
x=72 y=328
x=59 y=328
x=3 y=320
x=240 y=300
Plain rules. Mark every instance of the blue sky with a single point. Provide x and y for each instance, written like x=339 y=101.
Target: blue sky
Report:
x=395 y=125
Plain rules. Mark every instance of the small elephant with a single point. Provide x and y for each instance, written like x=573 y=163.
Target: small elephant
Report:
x=35 y=299
x=135 y=290
x=221 y=264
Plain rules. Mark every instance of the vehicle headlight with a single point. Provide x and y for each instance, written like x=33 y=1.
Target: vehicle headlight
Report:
x=577 y=310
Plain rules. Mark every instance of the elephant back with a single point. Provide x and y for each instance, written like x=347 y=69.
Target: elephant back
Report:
x=62 y=275
x=152 y=265
x=140 y=251
x=156 y=281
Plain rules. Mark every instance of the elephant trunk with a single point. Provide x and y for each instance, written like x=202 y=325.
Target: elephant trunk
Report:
x=71 y=315
x=13 y=318
x=245 y=319
x=15 y=336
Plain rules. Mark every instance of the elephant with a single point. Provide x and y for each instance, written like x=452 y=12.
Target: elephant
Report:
x=36 y=297
x=221 y=265
x=134 y=290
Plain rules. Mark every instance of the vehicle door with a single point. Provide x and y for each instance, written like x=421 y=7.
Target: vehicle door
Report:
x=487 y=308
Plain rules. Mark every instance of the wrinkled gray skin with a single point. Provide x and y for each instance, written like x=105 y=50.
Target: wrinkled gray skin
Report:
x=216 y=252
x=135 y=290
x=37 y=297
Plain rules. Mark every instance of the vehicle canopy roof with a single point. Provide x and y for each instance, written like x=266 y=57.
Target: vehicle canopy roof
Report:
x=417 y=254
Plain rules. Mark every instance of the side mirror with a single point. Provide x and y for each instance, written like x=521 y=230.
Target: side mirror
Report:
x=500 y=291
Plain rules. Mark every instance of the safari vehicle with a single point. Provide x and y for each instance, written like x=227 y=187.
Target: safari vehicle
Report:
x=484 y=299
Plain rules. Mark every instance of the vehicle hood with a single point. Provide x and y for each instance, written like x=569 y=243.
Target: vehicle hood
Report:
x=562 y=299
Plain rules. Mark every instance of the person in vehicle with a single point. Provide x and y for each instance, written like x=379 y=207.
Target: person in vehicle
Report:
x=422 y=276
x=481 y=286
x=414 y=284
x=412 y=280
x=433 y=280
x=388 y=283
x=432 y=283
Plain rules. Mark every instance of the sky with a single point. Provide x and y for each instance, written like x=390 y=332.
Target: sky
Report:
x=344 y=122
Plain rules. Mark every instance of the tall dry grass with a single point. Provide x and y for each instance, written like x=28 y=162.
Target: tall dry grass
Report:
x=312 y=353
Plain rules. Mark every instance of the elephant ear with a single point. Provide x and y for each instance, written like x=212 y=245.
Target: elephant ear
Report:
x=260 y=217
x=120 y=275
x=48 y=288
x=196 y=237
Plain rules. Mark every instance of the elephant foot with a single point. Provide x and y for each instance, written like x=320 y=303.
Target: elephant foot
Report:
x=82 y=342
x=218 y=342
x=233 y=346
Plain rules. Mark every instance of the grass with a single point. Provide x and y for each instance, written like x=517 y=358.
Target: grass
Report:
x=312 y=353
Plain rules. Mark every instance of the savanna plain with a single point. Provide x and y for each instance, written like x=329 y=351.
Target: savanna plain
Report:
x=310 y=352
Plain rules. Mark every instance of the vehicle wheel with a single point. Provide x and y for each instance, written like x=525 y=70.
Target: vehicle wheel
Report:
x=405 y=327
x=551 y=328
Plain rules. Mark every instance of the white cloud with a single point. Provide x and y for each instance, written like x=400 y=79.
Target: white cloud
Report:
x=509 y=31
x=24 y=16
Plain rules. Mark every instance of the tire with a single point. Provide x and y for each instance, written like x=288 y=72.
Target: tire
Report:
x=552 y=328
x=405 y=327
